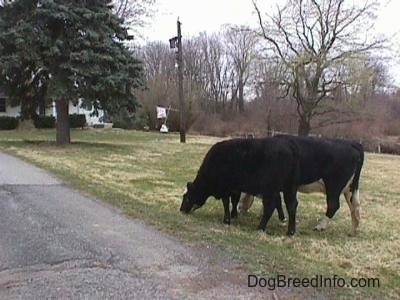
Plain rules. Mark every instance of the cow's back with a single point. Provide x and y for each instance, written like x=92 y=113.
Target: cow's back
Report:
x=247 y=165
x=321 y=158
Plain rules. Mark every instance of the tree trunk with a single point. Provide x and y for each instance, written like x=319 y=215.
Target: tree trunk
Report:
x=62 y=135
x=241 y=96
x=304 y=127
x=269 y=123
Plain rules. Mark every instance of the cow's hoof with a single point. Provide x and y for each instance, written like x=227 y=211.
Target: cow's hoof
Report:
x=353 y=234
x=290 y=233
x=283 y=220
x=227 y=222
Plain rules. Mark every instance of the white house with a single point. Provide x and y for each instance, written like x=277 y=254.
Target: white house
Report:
x=6 y=110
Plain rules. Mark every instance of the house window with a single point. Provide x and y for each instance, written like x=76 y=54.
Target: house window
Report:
x=2 y=104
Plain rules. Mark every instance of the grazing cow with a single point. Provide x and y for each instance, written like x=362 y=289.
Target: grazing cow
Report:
x=332 y=167
x=263 y=167
x=280 y=164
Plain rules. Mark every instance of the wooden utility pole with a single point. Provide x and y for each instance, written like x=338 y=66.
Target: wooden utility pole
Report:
x=179 y=58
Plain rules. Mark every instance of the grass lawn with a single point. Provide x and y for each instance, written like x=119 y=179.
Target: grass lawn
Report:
x=145 y=175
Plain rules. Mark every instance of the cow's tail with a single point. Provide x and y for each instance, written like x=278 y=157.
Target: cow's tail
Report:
x=354 y=189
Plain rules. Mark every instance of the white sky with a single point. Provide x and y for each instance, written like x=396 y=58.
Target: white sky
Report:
x=209 y=15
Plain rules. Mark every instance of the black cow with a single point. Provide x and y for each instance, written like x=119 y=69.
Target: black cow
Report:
x=254 y=166
x=332 y=167
x=282 y=163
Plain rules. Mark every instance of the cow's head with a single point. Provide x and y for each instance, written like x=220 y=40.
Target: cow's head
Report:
x=192 y=199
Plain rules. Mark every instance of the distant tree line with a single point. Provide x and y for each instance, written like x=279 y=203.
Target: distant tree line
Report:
x=309 y=66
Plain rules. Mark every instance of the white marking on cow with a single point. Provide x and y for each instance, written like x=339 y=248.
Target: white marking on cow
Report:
x=314 y=187
x=245 y=202
x=355 y=214
x=323 y=224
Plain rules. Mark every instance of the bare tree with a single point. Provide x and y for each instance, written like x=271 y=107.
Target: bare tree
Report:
x=313 y=39
x=195 y=68
x=362 y=79
x=216 y=74
x=158 y=60
x=160 y=79
x=134 y=12
x=241 y=51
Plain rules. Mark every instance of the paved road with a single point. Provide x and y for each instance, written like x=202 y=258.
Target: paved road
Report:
x=57 y=243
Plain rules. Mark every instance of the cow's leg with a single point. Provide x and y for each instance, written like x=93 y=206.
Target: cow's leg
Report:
x=291 y=203
x=333 y=204
x=354 y=205
x=227 y=215
x=235 y=197
x=269 y=205
x=334 y=187
x=355 y=200
x=281 y=214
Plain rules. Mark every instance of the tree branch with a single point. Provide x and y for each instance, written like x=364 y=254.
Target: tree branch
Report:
x=268 y=38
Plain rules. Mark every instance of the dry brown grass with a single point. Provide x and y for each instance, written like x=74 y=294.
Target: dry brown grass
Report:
x=145 y=175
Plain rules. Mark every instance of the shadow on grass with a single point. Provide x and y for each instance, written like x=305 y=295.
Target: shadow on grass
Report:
x=47 y=143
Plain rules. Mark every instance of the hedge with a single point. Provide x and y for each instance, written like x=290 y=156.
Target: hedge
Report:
x=44 y=122
x=8 y=123
x=77 y=121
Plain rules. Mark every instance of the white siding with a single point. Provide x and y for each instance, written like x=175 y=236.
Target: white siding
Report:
x=51 y=111
x=91 y=120
x=11 y=111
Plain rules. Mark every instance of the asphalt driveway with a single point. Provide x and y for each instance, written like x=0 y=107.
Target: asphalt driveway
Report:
x=56 y=242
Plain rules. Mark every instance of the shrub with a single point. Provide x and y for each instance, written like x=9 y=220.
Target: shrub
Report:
x=130 y=123
x=390 y=148
x=392 y=128
x=8 y=123
x=125 y=120
x=77 y=121
x=44 y=122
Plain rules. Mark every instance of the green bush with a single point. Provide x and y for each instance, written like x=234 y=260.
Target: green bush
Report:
x=8 y=123
x=126 y=120
x=44 y=122
x=77 y=121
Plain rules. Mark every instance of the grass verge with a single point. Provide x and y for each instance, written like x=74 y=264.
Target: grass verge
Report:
x=145 y=174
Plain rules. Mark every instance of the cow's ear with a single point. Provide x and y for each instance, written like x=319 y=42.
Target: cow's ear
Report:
x=189 y=186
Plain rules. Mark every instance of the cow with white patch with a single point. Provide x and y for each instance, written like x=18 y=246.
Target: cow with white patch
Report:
x=340 y=158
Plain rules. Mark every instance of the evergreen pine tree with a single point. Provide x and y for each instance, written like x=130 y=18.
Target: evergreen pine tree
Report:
x=76 y=47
